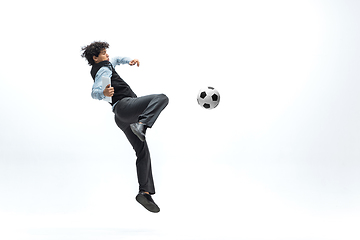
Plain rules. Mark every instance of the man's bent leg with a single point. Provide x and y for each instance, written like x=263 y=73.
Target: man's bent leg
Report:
x=144 y=109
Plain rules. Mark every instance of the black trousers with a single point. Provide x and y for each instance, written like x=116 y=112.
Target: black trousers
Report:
x=144 y=109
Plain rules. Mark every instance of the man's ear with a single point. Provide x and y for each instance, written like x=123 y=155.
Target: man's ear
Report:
x=95 y=58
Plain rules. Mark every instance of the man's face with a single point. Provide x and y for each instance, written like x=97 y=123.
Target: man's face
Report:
x=103 y=56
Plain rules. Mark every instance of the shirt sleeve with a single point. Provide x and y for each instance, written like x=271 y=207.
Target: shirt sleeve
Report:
x=97 y=91
x=120 y=60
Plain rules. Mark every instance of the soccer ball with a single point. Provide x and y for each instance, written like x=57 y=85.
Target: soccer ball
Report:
x=208 y=98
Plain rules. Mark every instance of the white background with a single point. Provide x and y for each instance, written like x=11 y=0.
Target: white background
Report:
x=277 y=159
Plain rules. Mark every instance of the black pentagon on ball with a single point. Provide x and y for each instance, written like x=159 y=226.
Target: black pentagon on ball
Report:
x=211 y=88
x=206 y=105
x=203 y=94
x=215 y=97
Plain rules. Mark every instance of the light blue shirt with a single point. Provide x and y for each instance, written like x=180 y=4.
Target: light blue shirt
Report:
x=97 y=90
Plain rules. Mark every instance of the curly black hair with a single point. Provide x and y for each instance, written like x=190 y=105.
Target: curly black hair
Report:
x=93 y=49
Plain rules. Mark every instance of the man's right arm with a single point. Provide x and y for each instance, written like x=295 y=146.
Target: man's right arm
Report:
x=97 y=90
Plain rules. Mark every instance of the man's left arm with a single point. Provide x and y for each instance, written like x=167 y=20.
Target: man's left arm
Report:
x=124 y=60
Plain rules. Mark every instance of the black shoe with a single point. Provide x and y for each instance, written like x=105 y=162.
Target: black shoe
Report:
x=139 y=130
x=147 y=201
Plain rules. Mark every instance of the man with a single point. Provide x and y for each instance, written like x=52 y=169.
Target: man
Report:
x=133 y=115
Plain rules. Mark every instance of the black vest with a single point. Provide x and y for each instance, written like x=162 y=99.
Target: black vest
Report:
x=121 y=88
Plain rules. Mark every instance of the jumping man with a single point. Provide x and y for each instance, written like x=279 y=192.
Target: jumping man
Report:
x=133 y=115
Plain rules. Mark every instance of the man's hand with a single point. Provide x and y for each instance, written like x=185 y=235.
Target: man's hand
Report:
x=108 y=91
x=133 y=62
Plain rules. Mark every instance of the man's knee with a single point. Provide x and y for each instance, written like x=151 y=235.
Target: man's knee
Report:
x=163 y=98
